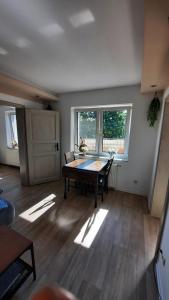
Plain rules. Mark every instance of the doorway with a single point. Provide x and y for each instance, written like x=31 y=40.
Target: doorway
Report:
x=9 y=151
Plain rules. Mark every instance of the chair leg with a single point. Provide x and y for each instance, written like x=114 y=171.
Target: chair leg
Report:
x=86 y=189
x=102 y=190
x=81 y=188
x=95 y=202
x=107 y=185
x=65 y=188
x=68 y=185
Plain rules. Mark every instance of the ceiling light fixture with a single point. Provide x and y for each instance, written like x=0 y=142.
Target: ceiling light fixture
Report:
x=52 y=30
x=82 y=18
x=23 y=43
x=3 y=51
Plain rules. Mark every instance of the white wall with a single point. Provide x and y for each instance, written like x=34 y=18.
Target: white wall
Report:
x=155 y=160
x=142 y=137
x=159 y=179
x=11 y=156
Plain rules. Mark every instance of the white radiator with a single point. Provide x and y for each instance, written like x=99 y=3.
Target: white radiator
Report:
x=113 y=176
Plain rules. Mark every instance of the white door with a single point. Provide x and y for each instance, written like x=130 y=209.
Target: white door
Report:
x=162 y=266
x=43 y=145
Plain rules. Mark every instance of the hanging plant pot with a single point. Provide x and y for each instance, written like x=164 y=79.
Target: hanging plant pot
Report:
x=154 y=108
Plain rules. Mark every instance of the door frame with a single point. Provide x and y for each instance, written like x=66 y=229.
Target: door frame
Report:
x=159 y=239
x=22 y=142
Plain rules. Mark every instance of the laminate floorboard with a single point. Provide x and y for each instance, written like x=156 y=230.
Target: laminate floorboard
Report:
x=118 y=263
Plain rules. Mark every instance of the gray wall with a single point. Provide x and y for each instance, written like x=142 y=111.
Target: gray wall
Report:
x=155 y=160
x=159 y=180
x=142 y=138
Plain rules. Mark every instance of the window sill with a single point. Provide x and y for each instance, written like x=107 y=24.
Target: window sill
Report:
x=101 y=157
x=10 y=148
x=117 y=159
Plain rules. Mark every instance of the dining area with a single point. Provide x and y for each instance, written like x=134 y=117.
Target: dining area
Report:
x=87 y=174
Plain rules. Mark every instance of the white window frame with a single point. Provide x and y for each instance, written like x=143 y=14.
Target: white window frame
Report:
x=99 y=127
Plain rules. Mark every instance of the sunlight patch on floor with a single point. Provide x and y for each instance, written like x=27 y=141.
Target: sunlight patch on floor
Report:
x=34 y=212
x=90 y=229
x=66 y=222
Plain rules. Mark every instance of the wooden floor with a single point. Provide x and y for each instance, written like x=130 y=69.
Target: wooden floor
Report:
x=117 y=265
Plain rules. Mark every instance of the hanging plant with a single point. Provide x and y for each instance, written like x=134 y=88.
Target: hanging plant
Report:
x=153 y=110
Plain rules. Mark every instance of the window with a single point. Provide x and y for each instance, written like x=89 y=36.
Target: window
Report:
x=104 y=129
x=114 y=131
x=86 y=128
x=11 y=130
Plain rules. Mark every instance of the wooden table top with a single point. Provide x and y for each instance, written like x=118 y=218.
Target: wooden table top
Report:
x=88 y=164
x=12 y=245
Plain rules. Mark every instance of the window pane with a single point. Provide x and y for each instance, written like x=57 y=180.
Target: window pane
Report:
x=114 y=131
x=14 y=128
x=87 y=129
x=11 y=130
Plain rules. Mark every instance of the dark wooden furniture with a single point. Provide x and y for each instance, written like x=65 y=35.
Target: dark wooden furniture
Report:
x=86 y=171
x=69 y=156
x=104 y=175
x=13 y=270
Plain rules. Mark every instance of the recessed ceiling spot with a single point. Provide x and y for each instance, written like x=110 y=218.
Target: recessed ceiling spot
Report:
x=23 y=43
x=3 y=51
x=51 y=30
x=82 y=18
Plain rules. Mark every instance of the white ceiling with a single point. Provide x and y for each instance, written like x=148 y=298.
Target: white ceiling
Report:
x=70 y=45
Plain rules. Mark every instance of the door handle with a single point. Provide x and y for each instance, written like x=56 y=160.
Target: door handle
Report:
x=57 y=146
x=162 y=257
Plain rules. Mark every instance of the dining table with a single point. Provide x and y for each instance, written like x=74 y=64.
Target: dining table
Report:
x=85 y=171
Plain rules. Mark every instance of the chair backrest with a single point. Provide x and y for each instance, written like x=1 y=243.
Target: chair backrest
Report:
x=108 y=168
x=69 y=156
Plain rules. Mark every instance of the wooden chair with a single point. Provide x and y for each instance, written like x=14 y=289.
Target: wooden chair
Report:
x=69 y=156
x=105 y=174
x=89 y=188
x=103 y=179
x=101 y=187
